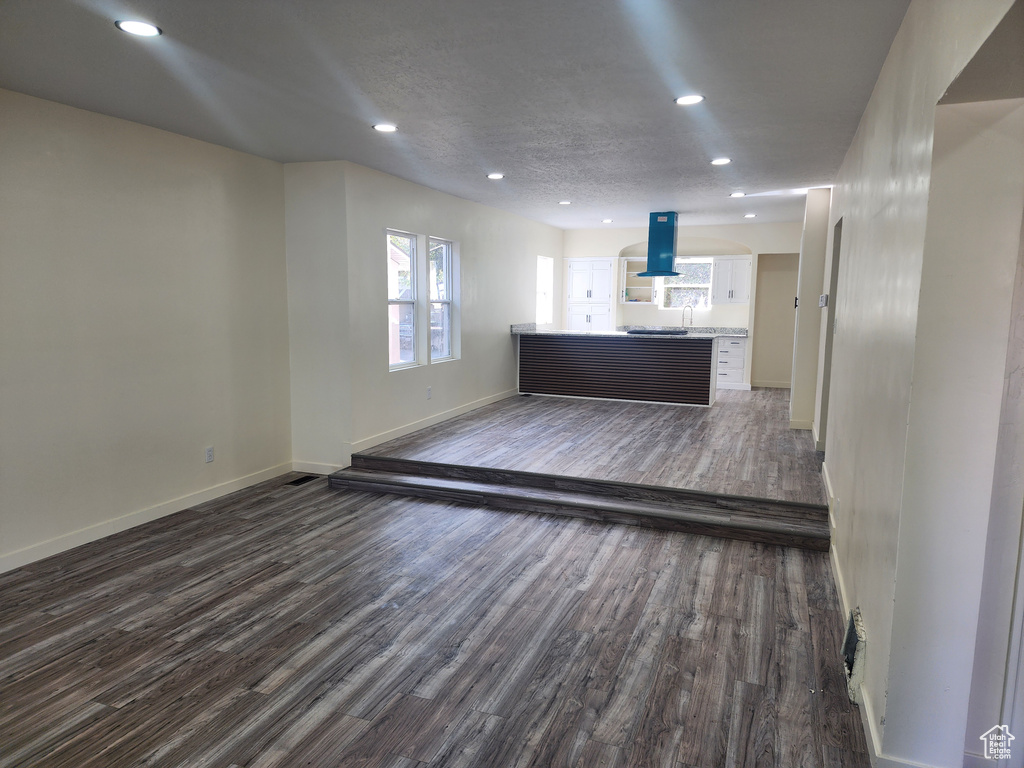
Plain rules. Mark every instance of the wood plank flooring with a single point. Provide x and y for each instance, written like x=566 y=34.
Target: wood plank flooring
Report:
x=741 y=446
x=301 y=626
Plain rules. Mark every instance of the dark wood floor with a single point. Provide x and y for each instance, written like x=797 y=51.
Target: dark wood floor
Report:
x=741 y=446
x=300 y=626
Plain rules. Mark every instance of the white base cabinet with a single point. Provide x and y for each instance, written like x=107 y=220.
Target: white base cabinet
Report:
x=590 y=317
x=731 y=363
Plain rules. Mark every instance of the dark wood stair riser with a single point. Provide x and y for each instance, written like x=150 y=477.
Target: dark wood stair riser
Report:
x=690 y=513
x=631 y=492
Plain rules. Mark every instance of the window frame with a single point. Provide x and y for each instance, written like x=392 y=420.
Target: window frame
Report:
x=408 y=302
x=448 y=302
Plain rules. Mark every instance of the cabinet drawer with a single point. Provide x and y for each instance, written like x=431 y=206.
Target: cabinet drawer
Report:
x=728 y=362
x=732 y=344
x=730 y=374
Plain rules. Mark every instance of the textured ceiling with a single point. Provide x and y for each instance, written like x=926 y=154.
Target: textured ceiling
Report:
x=571 y=99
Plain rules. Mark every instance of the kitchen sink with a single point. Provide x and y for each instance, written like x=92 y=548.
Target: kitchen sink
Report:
x=668 y=332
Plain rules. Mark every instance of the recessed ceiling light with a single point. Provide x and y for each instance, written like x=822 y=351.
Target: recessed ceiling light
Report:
x=693 y=98
x=565 y=202
x=721 y=161
x=738 y=194
x=606 y=221
x=385 y=127
x=140 y=28
x=750 y=216
x=495 y=176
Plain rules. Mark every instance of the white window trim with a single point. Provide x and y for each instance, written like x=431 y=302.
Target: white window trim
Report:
x=452 y=282
x=414 y=289
x=421 y=301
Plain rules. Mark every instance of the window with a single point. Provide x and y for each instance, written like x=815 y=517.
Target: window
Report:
x=545 y=290
x=401 y=299
x=439 y=268
x=691 y=287
x=422 y=299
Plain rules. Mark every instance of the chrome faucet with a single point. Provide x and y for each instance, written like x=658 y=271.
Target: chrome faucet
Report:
x=683 y=323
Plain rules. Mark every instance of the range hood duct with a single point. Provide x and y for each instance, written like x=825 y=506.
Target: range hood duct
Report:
x=661 y=245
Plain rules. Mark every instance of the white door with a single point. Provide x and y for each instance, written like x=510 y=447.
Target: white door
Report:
x=579 y=317
x=730 y=282
x=721 y=281
x=600 y=318
x=579 y=281
x=741 y=281
x=601 y=281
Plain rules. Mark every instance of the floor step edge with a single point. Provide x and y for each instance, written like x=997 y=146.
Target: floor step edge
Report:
x=729 y=523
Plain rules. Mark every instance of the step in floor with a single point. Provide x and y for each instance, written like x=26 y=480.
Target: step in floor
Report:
x=736 y=517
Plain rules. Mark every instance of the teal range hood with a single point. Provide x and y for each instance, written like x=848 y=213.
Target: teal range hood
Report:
x=661 y=245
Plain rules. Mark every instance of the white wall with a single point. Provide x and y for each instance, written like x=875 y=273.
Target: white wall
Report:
x=346 y=286
x=318 y=315
x=159 y=295
x=143 y=318
x=970 y=263
x=804 y=371
x=882 y=194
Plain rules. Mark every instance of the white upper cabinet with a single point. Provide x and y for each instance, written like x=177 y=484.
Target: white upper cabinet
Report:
x=590 y=280
x=591 y=283
x=730 y=283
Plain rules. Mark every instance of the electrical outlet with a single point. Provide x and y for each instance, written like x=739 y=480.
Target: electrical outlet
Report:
x=428 y=393
x=209 y=454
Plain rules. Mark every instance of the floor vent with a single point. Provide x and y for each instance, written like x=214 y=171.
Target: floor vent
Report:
x=301 y=480
x=853 y=655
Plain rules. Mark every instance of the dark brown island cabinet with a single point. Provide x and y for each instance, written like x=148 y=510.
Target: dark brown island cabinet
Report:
x=659 y=369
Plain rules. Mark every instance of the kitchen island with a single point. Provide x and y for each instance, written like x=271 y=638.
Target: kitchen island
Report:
x=618 y=365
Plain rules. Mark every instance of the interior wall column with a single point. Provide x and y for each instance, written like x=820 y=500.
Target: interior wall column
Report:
x=803 y=387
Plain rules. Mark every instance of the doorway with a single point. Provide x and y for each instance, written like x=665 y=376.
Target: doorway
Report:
x=774 y=320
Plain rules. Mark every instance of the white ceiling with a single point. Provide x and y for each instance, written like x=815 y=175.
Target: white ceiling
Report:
x=572 y=99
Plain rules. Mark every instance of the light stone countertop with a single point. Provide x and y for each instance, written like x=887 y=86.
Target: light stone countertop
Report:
x=695 y=332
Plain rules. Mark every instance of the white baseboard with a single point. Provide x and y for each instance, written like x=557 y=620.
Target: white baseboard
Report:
x=391 y=434
x=979 y=761
x=830 y=496
x=732 y=385
x=837 y=576
x=772 y=384
x=801 y=424
x=64 y=542
x=867 y=720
